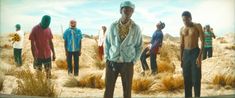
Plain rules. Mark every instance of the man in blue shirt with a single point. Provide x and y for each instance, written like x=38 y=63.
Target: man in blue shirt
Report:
x=152 y=50
x=123 y=46
x=72 y=42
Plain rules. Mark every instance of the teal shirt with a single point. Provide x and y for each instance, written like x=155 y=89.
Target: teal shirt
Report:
x=208 y=39
x=128 y=50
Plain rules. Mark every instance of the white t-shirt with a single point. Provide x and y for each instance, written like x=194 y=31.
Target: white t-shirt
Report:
x=101 y=38
x=19 y=44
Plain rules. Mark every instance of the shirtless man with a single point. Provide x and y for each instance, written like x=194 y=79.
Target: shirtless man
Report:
x=191 y=54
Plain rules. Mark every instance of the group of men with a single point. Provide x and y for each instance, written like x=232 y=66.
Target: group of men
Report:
x=123 y=46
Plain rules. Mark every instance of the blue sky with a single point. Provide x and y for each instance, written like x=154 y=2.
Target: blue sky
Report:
x=92 y=14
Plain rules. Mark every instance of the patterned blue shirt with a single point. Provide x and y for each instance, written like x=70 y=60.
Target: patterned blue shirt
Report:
x=72 y=37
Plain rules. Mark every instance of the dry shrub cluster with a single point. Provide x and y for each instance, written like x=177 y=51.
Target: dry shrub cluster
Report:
x=31 y=84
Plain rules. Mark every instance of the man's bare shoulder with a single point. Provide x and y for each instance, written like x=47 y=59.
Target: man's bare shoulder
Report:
x=198 y=25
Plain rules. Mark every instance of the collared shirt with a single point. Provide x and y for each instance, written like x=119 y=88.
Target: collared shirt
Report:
x=156 y=40
x=41 y=38
x=127 y=50
x=19 y=44
x=72 y=38
x=124 y=29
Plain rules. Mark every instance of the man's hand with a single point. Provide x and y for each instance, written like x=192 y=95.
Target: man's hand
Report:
x=182 y=64
x=199 y=62
x=53 y=57
x=79 y=53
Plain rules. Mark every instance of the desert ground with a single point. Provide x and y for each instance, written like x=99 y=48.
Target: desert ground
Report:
x=218 y=72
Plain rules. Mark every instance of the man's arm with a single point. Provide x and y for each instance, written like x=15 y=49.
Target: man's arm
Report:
x=213 y=35
x=138 y=46
x=52 y=49
x=80 y=48
x=181 y=46
x=107 y=43
x=201 y=36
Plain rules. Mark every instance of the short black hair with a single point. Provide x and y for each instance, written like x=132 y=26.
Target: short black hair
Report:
x=187 y=13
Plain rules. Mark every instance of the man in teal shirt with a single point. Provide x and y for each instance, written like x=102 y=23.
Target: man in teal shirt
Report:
x=72 y=42
x=208 y=50
x=123 y=46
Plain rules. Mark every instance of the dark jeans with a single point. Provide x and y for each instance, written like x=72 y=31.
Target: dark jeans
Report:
x=112 y=71
x=69 y=62
x=17 y=56
x=207 y=52
x=153 y=61
x=143 y=58
x=191 y=73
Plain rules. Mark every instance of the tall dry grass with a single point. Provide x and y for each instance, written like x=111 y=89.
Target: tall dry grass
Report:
x=142 y=84
x=170 y=83
x=2 y=78
x=164 y=66
x=31 y=84
x=90 y=80
x=224 y=80
x=62 y=64
x=98 y=62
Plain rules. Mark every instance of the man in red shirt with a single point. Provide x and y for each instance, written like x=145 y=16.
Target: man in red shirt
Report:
x=42 y=45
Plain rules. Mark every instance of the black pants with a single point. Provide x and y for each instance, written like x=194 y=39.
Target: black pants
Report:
x=112 y=71
x=143 y=58
x=17 y=56
x=153 y=62
x=191 y=73
x=75 y=56
x=207 y=52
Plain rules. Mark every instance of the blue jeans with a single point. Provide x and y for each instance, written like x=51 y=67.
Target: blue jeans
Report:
x=207 y=52
x=75 y=56
x=191 y=73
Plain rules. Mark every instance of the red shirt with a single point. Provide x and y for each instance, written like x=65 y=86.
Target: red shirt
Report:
x=41 y=38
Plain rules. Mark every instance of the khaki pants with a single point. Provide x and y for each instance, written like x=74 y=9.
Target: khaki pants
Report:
x=112 y=71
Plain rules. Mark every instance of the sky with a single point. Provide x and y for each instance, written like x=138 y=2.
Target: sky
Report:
x=92 y=14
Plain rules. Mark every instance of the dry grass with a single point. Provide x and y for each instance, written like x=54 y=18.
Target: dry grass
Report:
x=230 y=47
x=98 y=62
x=92 y=80
x=142 y=84
x=170 y=83
x=2 y=78
x=224 y=80
x=71 y=82
x=164 y=66
x=30 y=84
x=62 y=64
x=11 y=72
x=6 y=46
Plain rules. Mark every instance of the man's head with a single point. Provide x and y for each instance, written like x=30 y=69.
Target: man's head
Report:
x=160 y=25
x=17 y=26
x=45 y=22
x=104 y=28
x=207 y=28
x=73 y=24
x=187 y=18
x=127 y=9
